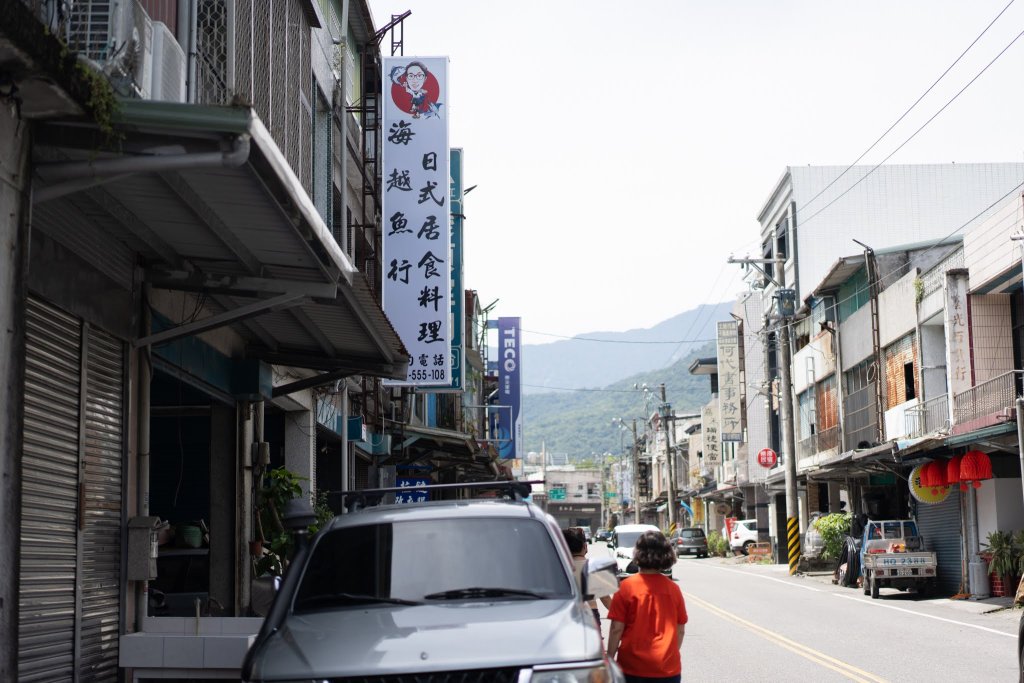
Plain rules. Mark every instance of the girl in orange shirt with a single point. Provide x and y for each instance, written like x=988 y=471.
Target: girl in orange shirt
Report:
x=648 y=616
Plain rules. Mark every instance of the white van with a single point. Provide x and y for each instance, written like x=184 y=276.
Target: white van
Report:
x=623 y=540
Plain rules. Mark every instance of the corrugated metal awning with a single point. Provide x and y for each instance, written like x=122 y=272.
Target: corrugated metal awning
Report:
x=207 y=200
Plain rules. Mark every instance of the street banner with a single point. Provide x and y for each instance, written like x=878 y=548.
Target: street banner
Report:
x=730 y=386
x=416 y=214
x=709 y=432
x=508 y=425
x=960 y=375
x=458 y=295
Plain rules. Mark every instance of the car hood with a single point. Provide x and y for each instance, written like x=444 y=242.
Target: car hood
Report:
x=623 y=556
x=437 y=637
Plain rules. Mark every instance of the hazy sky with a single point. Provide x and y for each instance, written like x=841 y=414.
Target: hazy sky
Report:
x=622 y=150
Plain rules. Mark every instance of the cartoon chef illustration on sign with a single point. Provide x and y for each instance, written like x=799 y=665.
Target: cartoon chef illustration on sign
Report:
x=415 y=90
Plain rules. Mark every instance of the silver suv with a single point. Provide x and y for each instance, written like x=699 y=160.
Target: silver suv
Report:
x=436 y=591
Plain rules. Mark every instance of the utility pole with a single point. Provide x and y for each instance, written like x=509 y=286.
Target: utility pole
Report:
x=786 y=413
x=665 y=411
x=786 y=302
x=636 y=477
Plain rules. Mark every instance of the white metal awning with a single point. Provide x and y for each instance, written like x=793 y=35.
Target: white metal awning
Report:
x=208 y=202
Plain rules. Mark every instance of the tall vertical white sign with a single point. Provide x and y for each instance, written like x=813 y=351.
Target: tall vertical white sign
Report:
x=416 y=213
x=730 y=385
x=958 y=337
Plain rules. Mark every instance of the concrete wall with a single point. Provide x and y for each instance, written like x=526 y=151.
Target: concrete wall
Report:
x=814 y=362
x=989 y=252
x=855 y=338
x=991 y=341
x=1000 y=506
x=897 y=309
x=933 y=361
x=893 y=206
x=14 y=178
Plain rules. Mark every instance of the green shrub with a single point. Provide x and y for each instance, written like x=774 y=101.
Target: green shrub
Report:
x=716 y=544
x=834 y=529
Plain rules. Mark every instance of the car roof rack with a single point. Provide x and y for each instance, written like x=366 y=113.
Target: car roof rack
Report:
x=355 y=500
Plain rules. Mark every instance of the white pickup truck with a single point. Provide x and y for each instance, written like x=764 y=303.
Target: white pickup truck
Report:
x=892 y=554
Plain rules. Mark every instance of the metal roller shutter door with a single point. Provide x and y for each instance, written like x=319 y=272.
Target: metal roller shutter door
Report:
x=100 y=574
x=940 y=526
x=49 y=537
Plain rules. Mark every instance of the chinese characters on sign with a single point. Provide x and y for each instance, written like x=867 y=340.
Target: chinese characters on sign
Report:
x=730 y=384
x=709 y=430
x=766 y=457
x=416 y=214
x=412 y=495
x=958 y=340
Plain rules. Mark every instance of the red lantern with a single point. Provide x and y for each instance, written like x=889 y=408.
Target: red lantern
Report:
x=928 y=474
x=939 y=476
x=933 y=475
x=974 y=467
x=953 y=471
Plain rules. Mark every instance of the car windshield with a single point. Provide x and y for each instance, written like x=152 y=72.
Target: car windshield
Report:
x=454 y=558
x=693 y=533
x=627 y=539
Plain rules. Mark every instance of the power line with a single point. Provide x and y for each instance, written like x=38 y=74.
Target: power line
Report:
x=909 y=109
x=600 y=391
x=914 y=134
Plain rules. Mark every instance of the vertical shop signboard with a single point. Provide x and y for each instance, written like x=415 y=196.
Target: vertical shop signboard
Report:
x=507 y=421
x=416 y=214
x=730 y=385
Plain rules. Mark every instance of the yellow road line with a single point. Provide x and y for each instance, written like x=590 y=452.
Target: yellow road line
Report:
x=848 y=670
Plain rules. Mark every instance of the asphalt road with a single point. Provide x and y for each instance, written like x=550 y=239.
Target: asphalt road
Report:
x=756 y=623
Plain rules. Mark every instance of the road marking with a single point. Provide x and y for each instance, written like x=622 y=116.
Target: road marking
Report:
x=820 y=658
x=766 y=578
x=875 y=603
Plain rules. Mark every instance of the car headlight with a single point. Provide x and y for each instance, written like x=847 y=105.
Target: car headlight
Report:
x=587 y=674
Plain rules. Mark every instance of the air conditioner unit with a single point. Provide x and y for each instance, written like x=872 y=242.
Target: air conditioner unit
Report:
x=168 y=65
x=117 y=35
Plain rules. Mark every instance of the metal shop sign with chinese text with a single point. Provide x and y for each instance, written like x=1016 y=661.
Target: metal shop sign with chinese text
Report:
x=730 y=385
x=709 y=430
x=412 y=494
x=416 y=214
x=457 y=294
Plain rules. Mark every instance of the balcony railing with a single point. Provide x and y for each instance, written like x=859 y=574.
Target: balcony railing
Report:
x=928 y=417
x=988 y=397
x=818 y=442
x=861 y=418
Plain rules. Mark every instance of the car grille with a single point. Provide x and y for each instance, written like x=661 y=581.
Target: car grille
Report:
x=472 y=676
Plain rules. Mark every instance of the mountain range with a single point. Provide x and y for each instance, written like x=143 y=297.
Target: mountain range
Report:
x=573 y=389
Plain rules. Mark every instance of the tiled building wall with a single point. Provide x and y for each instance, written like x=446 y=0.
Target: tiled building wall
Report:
x=991 y=341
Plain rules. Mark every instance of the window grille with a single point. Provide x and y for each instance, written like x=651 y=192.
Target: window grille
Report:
x=212 y=52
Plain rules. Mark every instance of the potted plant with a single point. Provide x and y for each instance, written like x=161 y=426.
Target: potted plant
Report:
x=273 y=548
x=1003 y=560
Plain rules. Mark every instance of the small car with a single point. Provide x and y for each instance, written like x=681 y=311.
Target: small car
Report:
x=602 y=534
x=690 y=540
x=440 y=590
x=744 y=535
x=587 y=533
